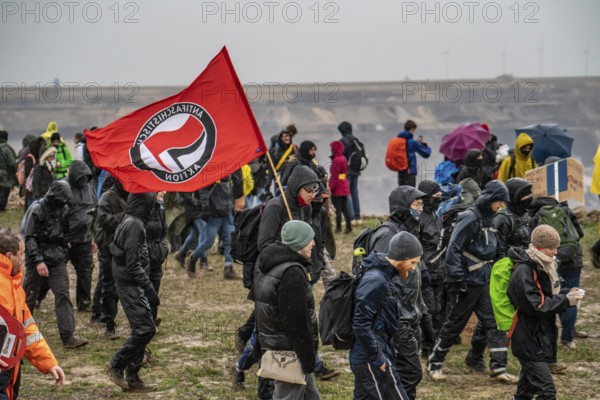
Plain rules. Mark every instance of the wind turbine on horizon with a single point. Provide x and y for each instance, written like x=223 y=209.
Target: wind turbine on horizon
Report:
x=540 y=55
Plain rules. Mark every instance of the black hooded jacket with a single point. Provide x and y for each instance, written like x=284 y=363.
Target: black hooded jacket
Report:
x=275 y=214
x=512 y=223
x=472 y=247
x=535 y=334
x=45 y=226
x=84 y=200
x=110 y=213
x=430 y=234
x=277 y=152
x=129 y=247
x=285 y=307
x=411 y=306
x=156 y=235
x=348 y=139
x=472 y=168
x=304 y=158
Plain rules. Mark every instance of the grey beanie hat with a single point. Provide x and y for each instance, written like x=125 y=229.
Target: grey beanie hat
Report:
x=404 y=246
x=296 y=234
x=545 y=237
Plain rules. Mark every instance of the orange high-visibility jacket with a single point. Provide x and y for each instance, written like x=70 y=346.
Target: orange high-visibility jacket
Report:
x=12 y=297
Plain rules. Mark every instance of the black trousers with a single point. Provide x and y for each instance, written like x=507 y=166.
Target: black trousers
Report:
x=371 y=383
x=80 y=255
x=476 y=299
x=535 y=378
x=58 y=281
x=4 y=193
x=406 y=178
x=6 y=382
x=408 y=363
x=156 y=274
x=109 y=291
x=341 y=207
x=436 y=300
x=97 y=297
x=129 y=356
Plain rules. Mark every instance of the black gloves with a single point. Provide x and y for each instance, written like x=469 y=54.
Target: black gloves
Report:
x=152 y=297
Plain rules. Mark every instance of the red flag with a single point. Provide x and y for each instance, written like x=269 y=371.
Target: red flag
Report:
x=185 y=142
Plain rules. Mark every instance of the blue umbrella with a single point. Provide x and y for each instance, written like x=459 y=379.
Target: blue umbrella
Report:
x=548 y=140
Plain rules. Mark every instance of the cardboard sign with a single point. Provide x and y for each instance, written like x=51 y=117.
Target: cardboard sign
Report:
x=562 y=180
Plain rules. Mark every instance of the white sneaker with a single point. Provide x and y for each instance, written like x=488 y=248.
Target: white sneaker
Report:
x=437 y=375
x=569 y=345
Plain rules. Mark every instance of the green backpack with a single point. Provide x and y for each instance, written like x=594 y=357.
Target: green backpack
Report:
x=557 y=217
x=504 y=311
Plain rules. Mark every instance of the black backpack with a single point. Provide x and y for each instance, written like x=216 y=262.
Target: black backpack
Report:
x=358 y=160
x=337 y=312
x=244 y=240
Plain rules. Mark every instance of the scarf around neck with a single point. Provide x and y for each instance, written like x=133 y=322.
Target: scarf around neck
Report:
x=548 y=265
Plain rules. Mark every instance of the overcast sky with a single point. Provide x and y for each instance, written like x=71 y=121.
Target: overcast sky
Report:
x=170 y=42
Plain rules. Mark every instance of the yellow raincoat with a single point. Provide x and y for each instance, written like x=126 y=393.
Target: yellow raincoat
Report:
x=523 y=162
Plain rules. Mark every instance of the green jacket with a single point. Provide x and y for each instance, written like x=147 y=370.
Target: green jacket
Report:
x=64 y=159
x=504 y=311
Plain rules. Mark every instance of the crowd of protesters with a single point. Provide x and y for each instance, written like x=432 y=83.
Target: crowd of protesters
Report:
x=425 y=272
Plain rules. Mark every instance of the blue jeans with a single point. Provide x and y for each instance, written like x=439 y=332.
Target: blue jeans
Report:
x=353 y=180
x=569 y=317
x=249 y=356
x=213 y=225
x=197 y=233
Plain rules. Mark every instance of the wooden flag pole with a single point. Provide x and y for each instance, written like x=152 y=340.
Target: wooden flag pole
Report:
x=287 y=207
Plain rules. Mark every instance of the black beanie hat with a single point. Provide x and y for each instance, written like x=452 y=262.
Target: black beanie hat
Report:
x=404 y=246
x=55 y=136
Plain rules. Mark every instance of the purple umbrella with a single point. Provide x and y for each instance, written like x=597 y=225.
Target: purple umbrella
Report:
x=457 y=143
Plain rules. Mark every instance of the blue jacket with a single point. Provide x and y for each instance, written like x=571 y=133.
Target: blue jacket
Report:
x=413 y=147
x=375 y=313
x=472 y=246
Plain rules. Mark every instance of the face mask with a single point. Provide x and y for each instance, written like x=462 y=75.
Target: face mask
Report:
x=525 y=204
x=435 y=202
x=415 y=214
x=525 y=152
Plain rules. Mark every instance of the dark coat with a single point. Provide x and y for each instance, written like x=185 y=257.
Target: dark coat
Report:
x=414 y=147
x=285 y=307
x=84 y=200
x=45 y=228
x=430 y=234
x=275 y=215
x=375 y=318
x=156 y=235
x=471 y=239
x=535 y=334
x=8 y=164
x=110 y=213
x=472 y=168
x=348 y=139
x=129 y=247
x=512 y=223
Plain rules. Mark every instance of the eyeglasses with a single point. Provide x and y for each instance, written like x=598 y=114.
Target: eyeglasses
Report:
x=310 y=190
x=418 y=203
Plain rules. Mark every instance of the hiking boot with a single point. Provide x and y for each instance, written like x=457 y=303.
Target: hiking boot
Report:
x=111 y=333
x=228 y=272
x=190 y=266
x=157 y=321
x=475 y=365
x=115 y=375
x=96 y=319
x=581 y=335
x=557 y=368
x=136 y=385
x=505 y=377
x=338 y=230
x=180 y=258
x=204 y=265
x=568 y=345
x=437 y=375
x=326 y=374
x=238 y=378
x=74 y=342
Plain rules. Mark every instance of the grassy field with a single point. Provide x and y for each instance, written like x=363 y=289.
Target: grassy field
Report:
x=194 y=349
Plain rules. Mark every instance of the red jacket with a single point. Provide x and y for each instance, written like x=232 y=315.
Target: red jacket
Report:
x=338 y=184
x=12 y=297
